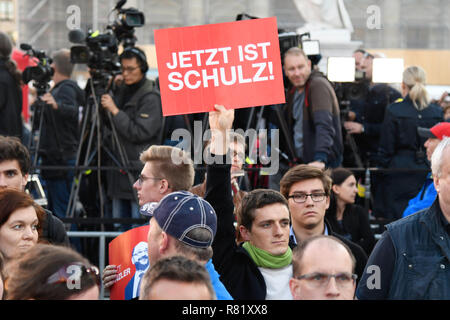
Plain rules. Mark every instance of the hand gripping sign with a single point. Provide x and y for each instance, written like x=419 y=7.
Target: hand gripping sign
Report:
x=236 y=64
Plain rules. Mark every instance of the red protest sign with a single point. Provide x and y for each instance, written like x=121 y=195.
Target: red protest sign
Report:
x=236 y=64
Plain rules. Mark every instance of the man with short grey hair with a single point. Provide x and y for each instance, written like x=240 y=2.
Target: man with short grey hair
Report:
x=323 y=269
x=59 y=133
x=412 y=259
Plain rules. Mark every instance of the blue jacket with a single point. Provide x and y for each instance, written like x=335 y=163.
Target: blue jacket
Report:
x=219 y=288
x=424 y=198
x=422 y=256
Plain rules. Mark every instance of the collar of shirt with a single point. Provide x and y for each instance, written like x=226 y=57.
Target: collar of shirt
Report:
x=292 y=234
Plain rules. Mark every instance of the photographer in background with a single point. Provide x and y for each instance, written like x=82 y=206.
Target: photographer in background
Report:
x=312 y=117
x=367 y=114
x=137 y=117
x=59 y=133
x=10 y=91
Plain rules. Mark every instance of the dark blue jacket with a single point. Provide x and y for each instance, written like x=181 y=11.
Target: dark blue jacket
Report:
x=401 y=147
x=422 y=256
x=371 y=115
x=399 y=141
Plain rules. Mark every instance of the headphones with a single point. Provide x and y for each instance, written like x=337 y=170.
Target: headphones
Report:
x=140 y=55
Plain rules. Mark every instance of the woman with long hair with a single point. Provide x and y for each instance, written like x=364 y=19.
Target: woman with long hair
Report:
x=10 y=91
x=344 y=216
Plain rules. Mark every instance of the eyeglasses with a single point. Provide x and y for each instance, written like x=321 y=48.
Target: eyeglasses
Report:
x=74 y=271
x=301 y=197
x=128 y=69
x=141 y=179
x=320 y=280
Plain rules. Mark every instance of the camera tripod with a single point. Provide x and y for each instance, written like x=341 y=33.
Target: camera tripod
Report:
x=93 y=117
x=40 y=106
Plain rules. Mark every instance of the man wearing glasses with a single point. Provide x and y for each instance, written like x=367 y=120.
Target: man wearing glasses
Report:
x=307 y=189
x=315 y=278
x=136 y=116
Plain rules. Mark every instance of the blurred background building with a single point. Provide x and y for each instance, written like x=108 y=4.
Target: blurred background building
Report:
x=413 y=29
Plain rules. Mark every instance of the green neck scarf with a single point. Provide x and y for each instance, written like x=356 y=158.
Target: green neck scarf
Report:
x=264 y=259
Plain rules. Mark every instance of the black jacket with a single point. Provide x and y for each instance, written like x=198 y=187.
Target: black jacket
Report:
x=10 y=105
x=138 y=126
x=371 y=117
x=355 y=222
x=53 y=230
x=238 y=272
x=59 y=133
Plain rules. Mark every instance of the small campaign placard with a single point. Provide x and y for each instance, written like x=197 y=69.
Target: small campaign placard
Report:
x=236 y=64
x=129 y=253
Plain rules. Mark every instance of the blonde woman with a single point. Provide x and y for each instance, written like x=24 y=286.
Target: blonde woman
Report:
x=400 y=145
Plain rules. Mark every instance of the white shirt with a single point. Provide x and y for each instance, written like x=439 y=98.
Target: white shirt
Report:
x=137 y=280
x=277 y=282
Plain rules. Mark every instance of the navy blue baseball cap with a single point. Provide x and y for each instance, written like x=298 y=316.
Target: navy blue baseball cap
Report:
x=180 y=212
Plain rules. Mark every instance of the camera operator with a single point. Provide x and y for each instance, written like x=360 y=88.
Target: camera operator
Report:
x=59 y=133
x=10 y=91
x=366 y=115
x=312 y=115
x=137 y=117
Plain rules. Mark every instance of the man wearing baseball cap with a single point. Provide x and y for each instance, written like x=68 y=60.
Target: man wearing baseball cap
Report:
x=427 y=193
x=159 y=179
x=182 y=222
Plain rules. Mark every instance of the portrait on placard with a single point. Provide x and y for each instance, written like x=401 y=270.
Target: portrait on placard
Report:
x=129 y=252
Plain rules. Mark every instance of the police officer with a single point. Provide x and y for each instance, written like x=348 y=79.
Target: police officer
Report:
x=400 y=145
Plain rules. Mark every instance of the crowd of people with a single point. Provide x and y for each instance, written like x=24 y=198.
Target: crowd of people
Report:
x=213 y=235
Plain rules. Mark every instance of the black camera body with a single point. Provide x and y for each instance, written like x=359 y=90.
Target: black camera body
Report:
x=348 y=91
x=123 y=26
x=100 y=51
x=42 y=73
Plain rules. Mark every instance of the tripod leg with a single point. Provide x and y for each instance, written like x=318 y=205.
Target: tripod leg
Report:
x=74 y=190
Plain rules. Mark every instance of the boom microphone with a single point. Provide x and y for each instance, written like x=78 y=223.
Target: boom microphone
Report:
x=25 y=46
x=77 y=36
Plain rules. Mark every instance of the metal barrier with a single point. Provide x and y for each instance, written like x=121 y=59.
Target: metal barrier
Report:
x=101 y=248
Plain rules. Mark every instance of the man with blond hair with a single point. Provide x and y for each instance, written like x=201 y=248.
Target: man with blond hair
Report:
x=167 y=170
